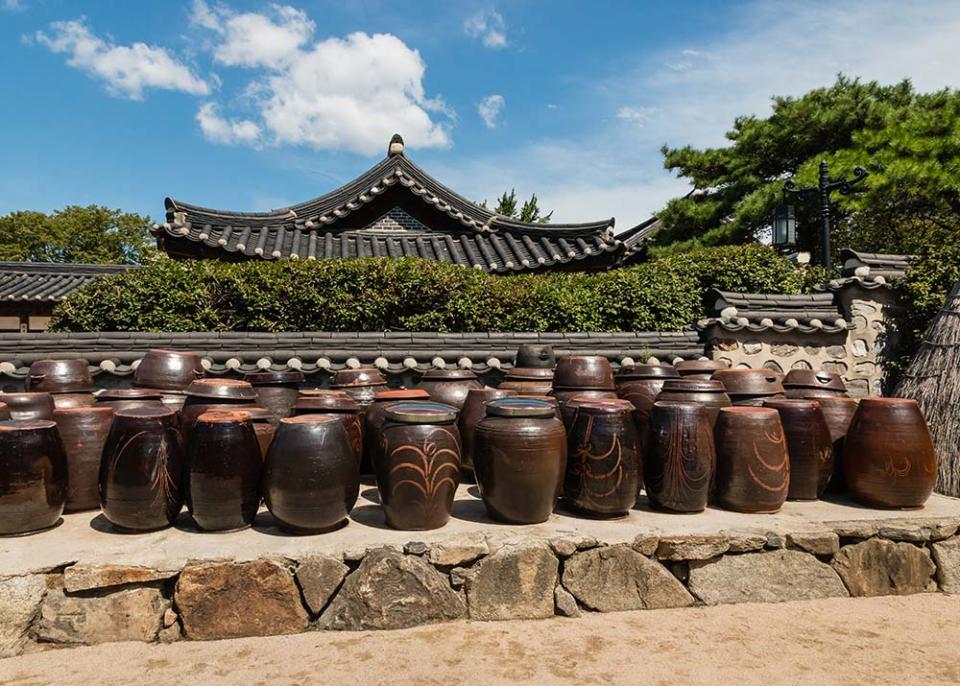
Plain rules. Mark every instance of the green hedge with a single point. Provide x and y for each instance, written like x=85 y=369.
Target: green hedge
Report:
x=380 y=294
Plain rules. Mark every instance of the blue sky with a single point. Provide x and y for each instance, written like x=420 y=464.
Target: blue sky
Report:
x=251 y=105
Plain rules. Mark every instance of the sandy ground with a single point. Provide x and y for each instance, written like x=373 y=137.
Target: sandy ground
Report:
x=906 y=640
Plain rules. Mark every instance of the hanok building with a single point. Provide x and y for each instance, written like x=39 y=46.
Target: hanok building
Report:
x=395 y=209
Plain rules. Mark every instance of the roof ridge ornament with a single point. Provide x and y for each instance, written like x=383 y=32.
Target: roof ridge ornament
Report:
x=396 y=145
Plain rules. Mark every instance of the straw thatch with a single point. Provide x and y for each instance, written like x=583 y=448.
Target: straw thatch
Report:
x=933 y=380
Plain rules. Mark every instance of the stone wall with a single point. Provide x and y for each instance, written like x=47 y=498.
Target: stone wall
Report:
x=473 y=577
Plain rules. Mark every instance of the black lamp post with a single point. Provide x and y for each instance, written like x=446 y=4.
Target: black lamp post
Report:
x=784 y=219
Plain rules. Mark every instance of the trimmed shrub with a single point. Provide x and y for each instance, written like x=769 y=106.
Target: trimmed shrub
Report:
x=381 y=294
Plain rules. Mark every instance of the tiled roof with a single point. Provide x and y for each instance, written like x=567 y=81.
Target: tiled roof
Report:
x=864 y=264
x=47 y=282
x=757 y=312
x=395 y=209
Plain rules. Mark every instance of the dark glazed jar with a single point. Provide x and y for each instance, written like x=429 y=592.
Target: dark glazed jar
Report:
x=376 y=415
x=169 y=370
x=33 y=477
x=276 y=391
x=641 y=384
x=809 y=446
x=750 y=387
x=564 y=394
x=23 y=406
x=418 y=465
x=519 y=459
x=361 y=384
x=214 y=394
x=471 y=414
x=223 y=471
x=142 y=470
x=710 y=394
x=60 y=376
x=83 y=433
x=888 y=456
x=700 y=369
x=65 y=401
x=568 y=407
x=528 y=380
x=603 y=459
x=119 y=399
x=344 y=408
x=536 y=356
x=311 y=477
x=679 y=462
x=753 y=466
x=584 y=371
x=809 y=383
x=449 y=386
x=838 y=413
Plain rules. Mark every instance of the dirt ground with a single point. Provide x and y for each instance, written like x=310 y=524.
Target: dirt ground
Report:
x=905 y=640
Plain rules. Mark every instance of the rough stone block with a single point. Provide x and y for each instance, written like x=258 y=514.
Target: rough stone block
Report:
x=646 y=544
x=864 y=529
x=766 y=577
x=783 y=350
x=745 y=543
x=566 y=603
x=947 y=556
x=692 y=547
x=516 y=582
x=319 y=576
x=392 y=591
x=20 y=599
x=617 y=578
x=816 y=543
x=134 y=614
x=83 y=577
x=881 y=567
x=236 y=599
x=458 y=552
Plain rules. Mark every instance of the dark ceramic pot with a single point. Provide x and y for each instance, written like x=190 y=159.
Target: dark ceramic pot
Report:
x=568 y=407
x=33 y=476
x=141 y=471
x=680 y=457
x=750 y=387
x=536 y=356
x=809 y=446
x=214 y=394
x=4 y=412
x=473 y=411
x=710 y=394
x=65 y=401
x=260 y=418
x=361 y=384
x=888 y=456
x=376 y=415
x=528 y=381
x=640 y=385
x=584 y=371
x=276 y=391
x=700 y=369
x=418 y=464
x=753 y=466
x=60 y=376
x=449 y=386
x=120 y=399
x=520 y=457
x=311 y=477
x=23 y=406
x=839 y=413
x=83 y=432
x=809 y=383
x=564 y=394
x=346 y=409
x=168 y=370
x=643 y=372
x=603 y=459
x=223 y=472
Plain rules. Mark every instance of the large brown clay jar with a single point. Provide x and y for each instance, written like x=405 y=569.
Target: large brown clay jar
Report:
x=31 y=405
x=33 y=476
x=809 y=446
x=375 y=416
x=60 y=376
x=641 y=384
x=839 y=413
x=473 y=411
x=810 y=383
x=888 y=456
x=214 y=394
x=680 y=457
x=584 y=371
x=603 y=459
x=750 y=387
x=276 y=390
x=118 y=399
x=711 y=394
x=700 y=369
x=344 y=408
x=519 y=459
x=753 y=466
x=141 y=471
x=83 y=432
x=449 y=386
x=223 y=471
x=311 y=477
x=535 y=356
x=361 y=384
x=169 y=370
x=418 y=465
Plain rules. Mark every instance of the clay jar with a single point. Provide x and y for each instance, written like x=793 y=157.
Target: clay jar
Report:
x=809 y=383
x=214 y=394
x=33 y=476
x=83 y=432
x=262 y=420
x=838 y=413
x=753 y=466
x=142 y=470
x=888 y=456
x=750 y=387
x=519 y=459
x=418 y=464
x=60 y=376
x=700 y=369
x=375 y=416
x=603 y=459
x=528 y=380
x=680 y=457
x=361 y=384
x=449 y=386
x=471 y=414
x=641 y=384
x=223 y=471
x=119 y=399
x=532 y=355
x=564 y=394
x=169 y=370
x=32 y=405
x=311 y=477
x=583 y=371
x=809 y=446
x=344 y=408
x=276 y=390
x=711 y=394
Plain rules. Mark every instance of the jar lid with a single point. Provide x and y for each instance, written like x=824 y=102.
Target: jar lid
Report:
x=601 y=405
x=26 y=424
x=229 y=389
x=538 y=373
x=421 y=413
x=255 y=414
x=520 y=407
x=697 y=385
x=448 y=374
x=362 y=376
x=646 y=371
x=325 y=403
x=402 y=394
x=129 y=394
x=274 y=377
x=146 y=413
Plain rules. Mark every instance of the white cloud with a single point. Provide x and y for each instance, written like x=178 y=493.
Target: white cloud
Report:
x=12 y=5
x=127 y=70
x=226 y=131
x=489 y=27
x=490 y=108
x=638 y=116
